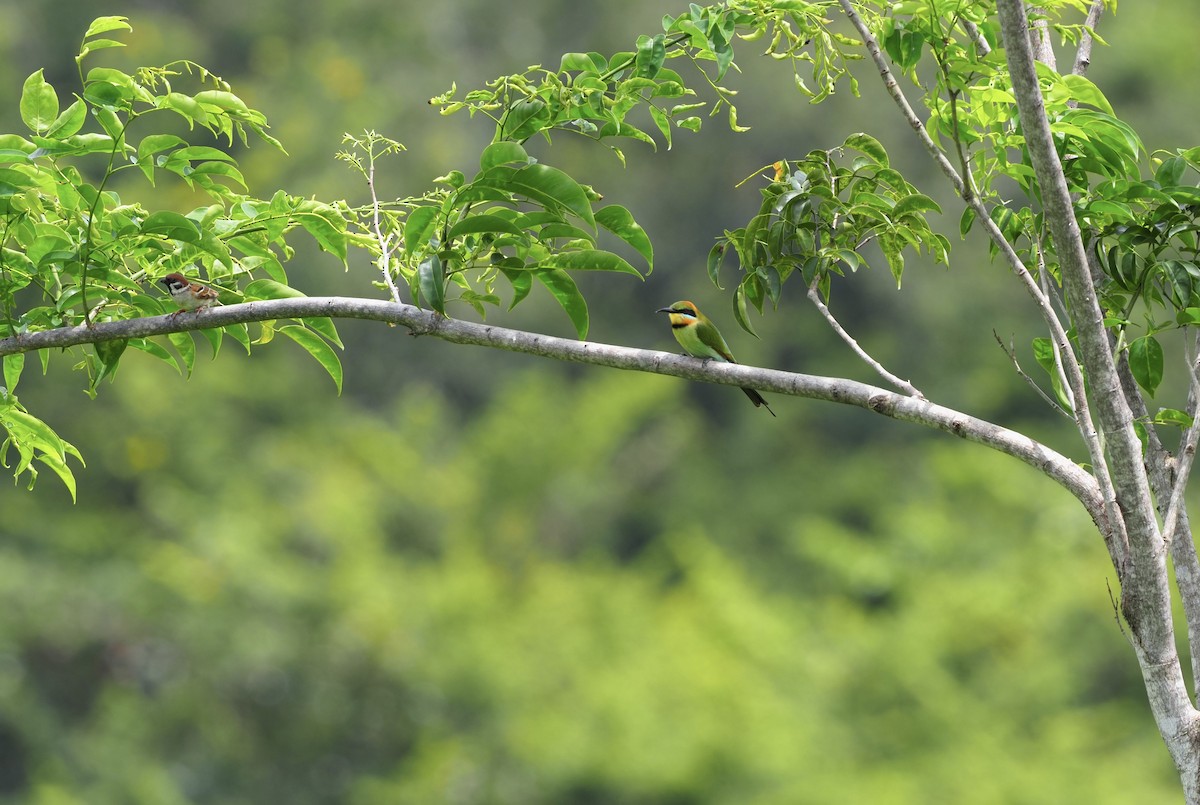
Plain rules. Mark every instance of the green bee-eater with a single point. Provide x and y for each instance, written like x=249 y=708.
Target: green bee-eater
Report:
x=700 y=338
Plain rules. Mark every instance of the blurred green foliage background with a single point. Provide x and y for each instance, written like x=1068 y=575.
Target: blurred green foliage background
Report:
x=481 y=578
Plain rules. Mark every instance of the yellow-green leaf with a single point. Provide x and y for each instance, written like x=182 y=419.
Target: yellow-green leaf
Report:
x=319 y=349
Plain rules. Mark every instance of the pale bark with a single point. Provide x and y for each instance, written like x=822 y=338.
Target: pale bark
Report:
x=1145 y=588
x=423 y=322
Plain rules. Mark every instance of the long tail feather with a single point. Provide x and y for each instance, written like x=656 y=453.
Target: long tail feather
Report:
x=758 y=400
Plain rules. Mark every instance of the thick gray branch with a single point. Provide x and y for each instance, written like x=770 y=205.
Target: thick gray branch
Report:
x=1113 y=414
x=423 y=322
x=1145 y=593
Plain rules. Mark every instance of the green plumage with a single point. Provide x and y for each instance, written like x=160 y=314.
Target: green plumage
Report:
x=700 y=338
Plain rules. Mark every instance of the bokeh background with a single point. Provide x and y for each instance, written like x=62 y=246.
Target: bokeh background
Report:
x=479 y=577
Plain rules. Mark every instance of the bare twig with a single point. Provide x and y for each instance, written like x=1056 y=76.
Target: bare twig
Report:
x=981 y=44
x=1112 y=599
x=905 y=386
x=1083 y=56
x=1187 y=452
x=1048 y=289
x=1011 y=352
x=385 y=241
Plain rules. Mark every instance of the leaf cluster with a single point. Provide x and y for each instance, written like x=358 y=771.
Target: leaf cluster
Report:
x=516 y=219
x=1140 y=224
x=593 y=94
x=818 y=214
x=75 y=252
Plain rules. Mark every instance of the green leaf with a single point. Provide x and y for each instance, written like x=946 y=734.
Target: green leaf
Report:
x=1170 y=172
x=663 y=122
x=590 y=260
x=577 y=62
x=157 y=350
x=109 y=353
x=418 y=226
x=186 y=347
x=97 y=44
x=1043 y=353
x=715 y=257
x=739 y=310
x=620 y=222
x=270 y=289
x=1172 y=416
x=557 y=230
x=522 y=283
x=34 y=439
x=651 y=52
x=39 y=103
x=774 y=283
x=193 y=152
x=1146 y=362
x=320 y=350
x=552 y=187
x=521 y=120
x=102 y=25
x=171 y=225
x=239 y=333
x=502 y=153
x=70 y=121
x=567 y=293
x=327 y=329
x=915 y=204
x=893 y=255
x=869 y=146
x=204 y=170
x=317 y=222
x=214 y=336
x=60 y=468
x=484 y=223
x=184 y=105
x=431 y=279
x=225 y=101
x=13 y=365
x=41 y=435
x=152 y=145
x=1084 y=91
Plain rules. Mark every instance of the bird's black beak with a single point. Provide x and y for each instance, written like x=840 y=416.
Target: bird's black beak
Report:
x=663 y=310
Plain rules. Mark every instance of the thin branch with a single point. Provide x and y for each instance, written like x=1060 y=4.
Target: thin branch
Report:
x=422 y=322
x=1040 y=40
x=1187 y=578
x=1011 y=352
x=981 y=43
x=385 y=241
x=1159 y=465
x=1145 y=587
x=1186 y=455
x=1112 y=599
x=905 y=386
x=1114 y=532
x=1083 y=56
x=1048 y=289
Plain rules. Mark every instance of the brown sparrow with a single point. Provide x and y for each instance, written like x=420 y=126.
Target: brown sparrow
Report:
x=188 y=295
